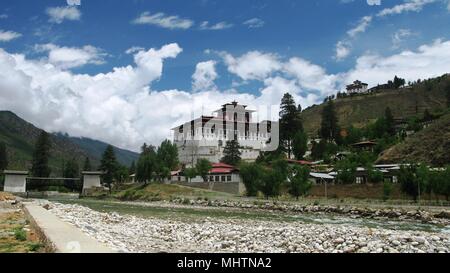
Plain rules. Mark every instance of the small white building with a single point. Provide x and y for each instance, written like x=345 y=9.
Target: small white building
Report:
x=357 y=87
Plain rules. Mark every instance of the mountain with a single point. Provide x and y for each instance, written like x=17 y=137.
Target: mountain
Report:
x=20 y=137
x=430 y=146
x=96 y=148
x=363 y=109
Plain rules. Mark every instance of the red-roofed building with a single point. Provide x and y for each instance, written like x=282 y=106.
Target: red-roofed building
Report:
x=220 y=172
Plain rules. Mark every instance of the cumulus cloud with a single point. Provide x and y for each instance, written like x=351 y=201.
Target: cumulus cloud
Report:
x=60 y=14
x=122 y=108
x=6 y=36
x=204 y=76
x=253 y=65
x=361 y=27
x=74 y=2
x=342 y=50
x=72 y=57
x=162 y=20
x=254 y=23
x=410 y=5
x=219 y=26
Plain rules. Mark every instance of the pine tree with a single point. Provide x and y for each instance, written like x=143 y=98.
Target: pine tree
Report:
x=146 y=165
x=231 y=153
x=290 y=122
x=87 y=165
x=329 y=129
x=389 y=119
x=109 y=166
x=300 y=145
x=3 y=157
x=41 y=156
x=132 y=169
x=71 y=170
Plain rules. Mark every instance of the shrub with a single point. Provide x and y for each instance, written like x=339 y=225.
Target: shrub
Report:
x=20 y=234
x=387 y=190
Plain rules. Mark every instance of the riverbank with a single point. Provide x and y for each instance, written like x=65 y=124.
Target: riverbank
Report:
x=129 y=233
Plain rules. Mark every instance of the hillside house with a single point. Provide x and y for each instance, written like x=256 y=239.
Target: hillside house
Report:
x=357 y=87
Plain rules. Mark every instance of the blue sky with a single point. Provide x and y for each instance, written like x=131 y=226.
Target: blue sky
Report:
x=254 y=48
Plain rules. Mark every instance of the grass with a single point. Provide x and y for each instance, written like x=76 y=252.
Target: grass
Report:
x=158 y=192
x=14 y=238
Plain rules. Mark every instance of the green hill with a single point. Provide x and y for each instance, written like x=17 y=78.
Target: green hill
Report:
x=20 y=137
x=430 y=146
x=363 y=109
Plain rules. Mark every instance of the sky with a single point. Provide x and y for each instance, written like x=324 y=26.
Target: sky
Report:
x=126 y=72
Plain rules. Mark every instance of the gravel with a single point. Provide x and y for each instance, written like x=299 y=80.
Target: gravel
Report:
x=129 y=233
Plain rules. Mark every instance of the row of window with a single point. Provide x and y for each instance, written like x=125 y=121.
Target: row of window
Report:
x=220 y=178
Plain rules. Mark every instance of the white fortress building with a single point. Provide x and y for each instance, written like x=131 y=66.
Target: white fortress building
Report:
x=357 y=87
x=206 y=136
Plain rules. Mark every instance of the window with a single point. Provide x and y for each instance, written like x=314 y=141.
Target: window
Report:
x=211 y=178
x=217 y=178
x=229 y=178
x=223 y=178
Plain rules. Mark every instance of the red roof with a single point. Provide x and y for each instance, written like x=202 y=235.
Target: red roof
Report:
x=301 y=162
x=222 y=168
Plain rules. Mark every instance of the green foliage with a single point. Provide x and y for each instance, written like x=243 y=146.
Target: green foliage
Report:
x=121 y=175
x=346 y=171
x=251 y=174
x=190 y=173
x=3 y=157
x=323 y=150
x=132 y=169
x=71 y=170
x=329 y=128
x=20 y=234
x=387 y=190
x=146 y=165
x=409 y=181
x=300 y=145
x=203 y=167
x=109 y=166
x=231 y=153
x=299 y=181
x=168 y=155
x=290 y=122
x=41 y=156
x=374 y=176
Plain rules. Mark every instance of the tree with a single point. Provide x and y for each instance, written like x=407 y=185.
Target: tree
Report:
x=447 y=92
x=408 y=180
x=251 y=174
x=346 y=171
x=146 y=165
x=329 y=128
x=290 y=122
x=389 y=121
x=203 y=167
x=374 y=176
x=190 y=173
x=41 y=156
x=121 y=175
x=3 y=157
x=168 y=155
x=300 y=145
x=398 y=82
x=109 y=166
x=87 y=165
x=231 y=153
x=427 y=116
x=132 y=169
x=387 y=190
x=71 y=170
x=299 y=181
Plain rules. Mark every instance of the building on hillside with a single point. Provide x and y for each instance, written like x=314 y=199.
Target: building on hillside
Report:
x=357 y=87
x=205 y=137
x=220 y=172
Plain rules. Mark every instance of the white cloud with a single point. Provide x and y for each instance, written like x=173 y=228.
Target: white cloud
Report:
x=162 y=20
x=342 y=50
x=59 y=14
x=427 y=61
x=4 y=16
x=399 y=36
x=72 y=57
x=6 y=36
x=361 y=27
x=253 y=65
x=219 y=26
x=254 y=23
x=74 y=2
x=410 y=5
x=122 y=108
x=374 y=2
x=204 y=76
x=134 y=49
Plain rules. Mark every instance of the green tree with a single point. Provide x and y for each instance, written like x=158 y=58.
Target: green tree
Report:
x=231 y=153
x=408 y=180
x=374 y=176
x=346 y=171
x=41 y=156
x=87 y=165
x=389 y=121
x=203 y=168
x=168 y=155
x=290 y=122
x=299 y=181
x=190 y=173
x=109 y=166
x=3 y=157
x=251 y=174
x=71 y=170
x=329 y=128
x=387 y=190
x=146 y=165
x=398 y=82
x=132 y=169
x=447 y=92
x=300 y=145
x=121 y=175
